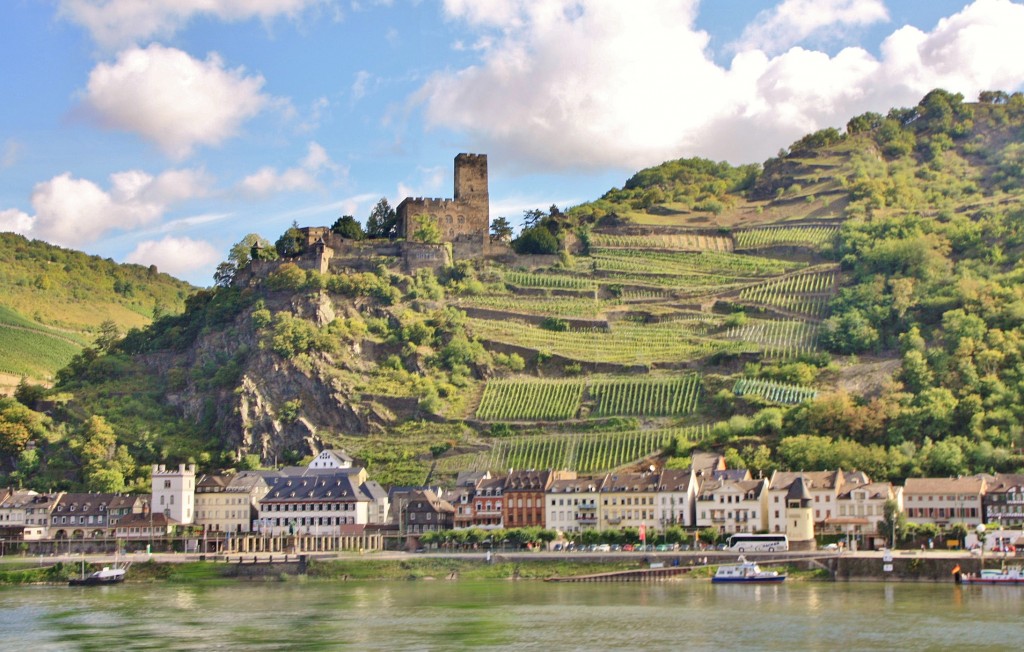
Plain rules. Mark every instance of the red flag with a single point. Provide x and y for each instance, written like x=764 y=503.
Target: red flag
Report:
x=643 y=533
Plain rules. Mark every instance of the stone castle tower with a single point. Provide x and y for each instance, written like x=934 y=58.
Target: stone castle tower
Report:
x=465 y=219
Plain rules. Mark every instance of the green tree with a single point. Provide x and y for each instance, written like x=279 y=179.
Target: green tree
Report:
x=894 y=521
x=348 y=227
x=291 y=242
x=383 y=221
x=535 y=240
x=501 y=230
x=425 y=229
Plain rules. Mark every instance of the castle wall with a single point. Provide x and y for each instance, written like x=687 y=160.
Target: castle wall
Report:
x=465 y=217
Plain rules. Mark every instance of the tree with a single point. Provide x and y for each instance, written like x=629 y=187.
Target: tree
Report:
x=109 y=334
x=224 y=275
x=425 y=229
x=348 y=227
x=383 y=221
x=291 y=241
x=532 y=217
x=535 y=240
x=501 y=230
x=241 y=253
x=894 y=520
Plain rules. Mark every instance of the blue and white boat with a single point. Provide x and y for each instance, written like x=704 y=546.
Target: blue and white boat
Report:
x=746 y=572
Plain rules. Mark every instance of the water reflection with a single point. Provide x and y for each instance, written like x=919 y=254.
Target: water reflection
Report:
x=509 y=615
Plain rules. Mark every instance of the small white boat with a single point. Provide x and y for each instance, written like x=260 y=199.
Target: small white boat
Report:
x=105 y=575
x=1008 y=575
x=745 y=572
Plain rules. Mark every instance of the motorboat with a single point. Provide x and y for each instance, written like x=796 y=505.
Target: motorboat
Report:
x=745 y=572
x=105 y=575
x=1006 y=575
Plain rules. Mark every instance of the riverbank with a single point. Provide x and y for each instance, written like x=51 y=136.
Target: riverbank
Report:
x=902 y=566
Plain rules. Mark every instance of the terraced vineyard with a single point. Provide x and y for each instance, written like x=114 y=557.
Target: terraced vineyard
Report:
x=771 y=390
x=656 y=397
x=579 y=307
x=807 y=293
x=531 y=399
x=625 y=343
x=778 y=338
x=548 y=281
x=667 y=241
x=585 y=453
x=707 y=262
x=809 y=236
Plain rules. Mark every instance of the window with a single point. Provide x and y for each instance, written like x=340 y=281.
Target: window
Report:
x=167 y=484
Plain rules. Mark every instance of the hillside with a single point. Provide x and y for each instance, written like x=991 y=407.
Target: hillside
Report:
x=854 y=302
x=54 y=301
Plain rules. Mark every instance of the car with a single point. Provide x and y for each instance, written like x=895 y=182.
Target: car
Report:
x=615 y=548
x=604 y=547
x=832 y=547
x=627 y=548
x=1006 y=547
x=558 y=547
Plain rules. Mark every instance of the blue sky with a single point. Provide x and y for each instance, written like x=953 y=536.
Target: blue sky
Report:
x=163 y=131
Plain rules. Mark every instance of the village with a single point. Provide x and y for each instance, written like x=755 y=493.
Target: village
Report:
x=331 y=504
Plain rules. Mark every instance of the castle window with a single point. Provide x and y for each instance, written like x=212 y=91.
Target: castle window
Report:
x=448 y=219
x=462 y=219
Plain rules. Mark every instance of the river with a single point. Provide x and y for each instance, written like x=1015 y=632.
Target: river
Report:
x=442 y=615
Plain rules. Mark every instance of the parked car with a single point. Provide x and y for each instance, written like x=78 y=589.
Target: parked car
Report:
x=627 y=547
x=615 y=547
x=604 y=547
x=1006 y=547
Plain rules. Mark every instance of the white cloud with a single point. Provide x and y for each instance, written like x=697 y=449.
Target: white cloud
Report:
x=175 y=256
x=114 y=23
x=74 y=212
x=172 y=99
x=11 y=152
x=792 y=21
x=303 y=177
x=615 y=84
x=16 y=221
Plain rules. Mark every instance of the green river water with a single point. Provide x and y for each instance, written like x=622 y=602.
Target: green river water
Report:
x=441 y=615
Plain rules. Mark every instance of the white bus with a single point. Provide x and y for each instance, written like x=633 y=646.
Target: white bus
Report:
x=758 y=543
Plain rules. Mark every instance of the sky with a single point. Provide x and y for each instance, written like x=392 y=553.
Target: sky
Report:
x=163 y=131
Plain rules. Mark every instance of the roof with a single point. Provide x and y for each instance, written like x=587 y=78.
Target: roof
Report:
x=577 y=485
x=731 y=474
x=798 y=490
x=471 y=478
x=635 y=482
x=527 y=480
x=1003 y=482
x=782 y=480
x=711 y=488
x=320 y=487
x=875 y=490
x=157 y=519
x=966 y=485
x=675 y=479
x=85 y=503
x=426 y=499
x=706 y=462
x=373 y=490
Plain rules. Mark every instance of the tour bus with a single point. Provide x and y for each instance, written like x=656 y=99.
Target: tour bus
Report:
x=758 y=543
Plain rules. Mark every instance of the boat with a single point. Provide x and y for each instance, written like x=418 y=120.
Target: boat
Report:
x=745 y=572
x=105 y=575
x=1007 y=575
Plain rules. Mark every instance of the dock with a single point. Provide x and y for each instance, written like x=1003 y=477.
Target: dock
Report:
x=635 y=575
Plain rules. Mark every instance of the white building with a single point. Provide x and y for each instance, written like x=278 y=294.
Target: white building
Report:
x=861 y=510
x=677 y=497
x=944 y=500
x=824 y=488
x=331 y=459
x=173 y=492
x=733 y=506
x=572 y=505
x=321 y=503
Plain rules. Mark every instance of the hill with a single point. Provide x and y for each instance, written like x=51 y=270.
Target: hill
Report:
x=54 y=302
x=854 y=302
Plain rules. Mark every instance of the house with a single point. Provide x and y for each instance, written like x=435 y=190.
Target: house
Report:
x=38 y=509
x=81 y=516
x=462 y=495
x=146 y=526
x=524 y=496
x=327 y=502
x=572 y=504
x=860 y=513
x=1003 y=502
x=426 y=512
x=332 y=459
x=488 y=502
x=628 y=500
x=733 y=506
x=677 y=498
x=14 y=521
x=943 y=501
x=229 y=503
x=122 y=506
x=824 y=488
